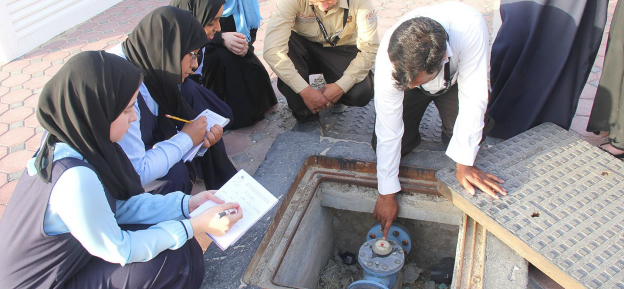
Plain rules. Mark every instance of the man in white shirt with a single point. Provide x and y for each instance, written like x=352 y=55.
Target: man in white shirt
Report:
x=437 y=53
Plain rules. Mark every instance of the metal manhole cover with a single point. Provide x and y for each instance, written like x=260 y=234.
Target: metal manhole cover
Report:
x=565 y=208
x=361 y=121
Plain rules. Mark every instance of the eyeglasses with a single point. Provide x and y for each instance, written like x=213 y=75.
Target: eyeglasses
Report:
x=193 y=55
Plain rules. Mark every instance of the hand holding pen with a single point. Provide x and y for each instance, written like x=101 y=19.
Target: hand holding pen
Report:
x=210 y=137
x=226 y=212
x=215 y=222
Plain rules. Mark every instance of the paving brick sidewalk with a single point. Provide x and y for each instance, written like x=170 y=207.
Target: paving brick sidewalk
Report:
x=21 y=82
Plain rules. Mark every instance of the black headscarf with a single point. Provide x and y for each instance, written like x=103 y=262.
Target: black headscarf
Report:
x=77 y=107
x=157 y=46
x=204 y=10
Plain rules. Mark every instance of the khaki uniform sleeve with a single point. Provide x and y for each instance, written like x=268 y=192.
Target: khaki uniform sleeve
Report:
x=276 y=44
x=367 y=42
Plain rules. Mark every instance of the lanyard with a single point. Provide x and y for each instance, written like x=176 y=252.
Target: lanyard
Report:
x=335 y=38
x=447 y=81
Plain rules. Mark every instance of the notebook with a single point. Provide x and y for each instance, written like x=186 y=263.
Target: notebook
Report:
x=212 y=118
x=252 y=197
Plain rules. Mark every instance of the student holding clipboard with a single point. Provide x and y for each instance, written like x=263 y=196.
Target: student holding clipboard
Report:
x=164 y=46
x=78 y=217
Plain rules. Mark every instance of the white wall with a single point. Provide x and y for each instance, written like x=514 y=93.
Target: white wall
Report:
x=26 y=24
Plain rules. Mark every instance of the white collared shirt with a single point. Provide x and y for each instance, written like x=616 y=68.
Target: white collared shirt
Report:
x=468 y=45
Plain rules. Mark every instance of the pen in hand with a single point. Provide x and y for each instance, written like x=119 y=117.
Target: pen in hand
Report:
x=226 y=212
x=177 y=118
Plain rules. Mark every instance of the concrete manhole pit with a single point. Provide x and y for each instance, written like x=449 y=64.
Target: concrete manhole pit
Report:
x=326 y=217
x=430 y=243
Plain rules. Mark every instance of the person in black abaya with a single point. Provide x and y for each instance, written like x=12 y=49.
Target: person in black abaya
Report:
x=230 y=68
x=541 y=59
x=608 y=110
x=164 y=46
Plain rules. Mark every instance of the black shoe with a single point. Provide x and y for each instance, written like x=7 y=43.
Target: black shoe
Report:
x=619 y=156
x=308 y=126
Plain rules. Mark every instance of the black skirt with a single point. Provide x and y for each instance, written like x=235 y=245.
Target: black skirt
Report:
x=242 y=82
x=541 y=58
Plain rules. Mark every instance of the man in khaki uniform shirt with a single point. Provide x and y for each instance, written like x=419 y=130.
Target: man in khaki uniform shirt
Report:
x=295 y=47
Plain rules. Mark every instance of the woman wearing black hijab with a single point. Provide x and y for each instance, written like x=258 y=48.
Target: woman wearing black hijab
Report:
x=64 y=226
x=230 y=67
x=164 y=47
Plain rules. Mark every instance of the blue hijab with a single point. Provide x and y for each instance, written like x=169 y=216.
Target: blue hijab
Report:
x=246 y=15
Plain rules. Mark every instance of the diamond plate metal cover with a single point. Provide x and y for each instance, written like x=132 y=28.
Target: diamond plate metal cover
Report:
x=565 y=202
x=361 y=121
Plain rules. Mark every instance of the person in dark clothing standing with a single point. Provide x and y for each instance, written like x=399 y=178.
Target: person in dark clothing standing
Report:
x=541 y=59
x=608 y=110
x=229 y=67
x=78 y=217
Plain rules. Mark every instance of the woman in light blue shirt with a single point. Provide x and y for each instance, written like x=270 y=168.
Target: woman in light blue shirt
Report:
x=78 y=217
x=156 y=144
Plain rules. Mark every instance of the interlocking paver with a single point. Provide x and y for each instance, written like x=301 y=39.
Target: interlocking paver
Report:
x=126 y=28
x=15 y=162
x=4 y=90
x=89 y=36
x=32 y=101
x=87 y=26
x=584 y=107
x=589 y=92
x=3 y=108
x=599 y=61
x=4 y=75
x=389 y=13
x=94 y=46
x=34 y=142
x=54 y=45
x=57 y=55
x=37 y=54
x=16 y=114
x=106 y=26
x=4 y=127
x=395 y=5
x=37 y=67
x=16 y=136
x=32 y=121
x=37 y=82
x=73 y=45
x=16 y=96
x=121 y=18
x=53 y=70
x=16 y=80
x=579 y=125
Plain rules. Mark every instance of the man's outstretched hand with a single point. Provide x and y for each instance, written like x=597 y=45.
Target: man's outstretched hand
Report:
x=471 y=177
x=386 y=210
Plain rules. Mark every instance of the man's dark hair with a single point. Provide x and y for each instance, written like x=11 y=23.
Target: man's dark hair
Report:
x=417 y=45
